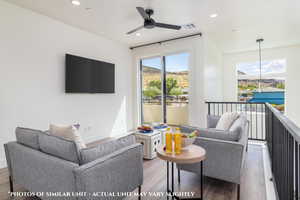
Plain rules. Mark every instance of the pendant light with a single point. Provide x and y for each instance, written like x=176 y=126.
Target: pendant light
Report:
x=259 y=41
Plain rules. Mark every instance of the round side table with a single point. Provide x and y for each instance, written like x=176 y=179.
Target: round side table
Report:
x=193 y=154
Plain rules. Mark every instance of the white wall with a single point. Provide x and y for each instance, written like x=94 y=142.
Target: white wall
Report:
x=213 y=70
x=32 y=50
x=292 y=56
x=204 y=73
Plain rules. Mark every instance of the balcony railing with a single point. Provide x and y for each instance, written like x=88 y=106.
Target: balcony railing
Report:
x=255 y=113
x=282 y=137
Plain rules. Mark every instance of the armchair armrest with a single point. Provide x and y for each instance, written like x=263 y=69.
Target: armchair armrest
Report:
x=224 y=158
x=220 y=134
x=120 y=171
x=213 y=133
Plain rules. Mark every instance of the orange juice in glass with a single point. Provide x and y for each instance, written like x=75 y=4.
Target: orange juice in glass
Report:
x=169 y=146
x=177 y=139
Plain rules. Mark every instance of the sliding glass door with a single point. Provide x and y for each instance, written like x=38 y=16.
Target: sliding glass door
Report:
x=164 y=89
x=177 y=94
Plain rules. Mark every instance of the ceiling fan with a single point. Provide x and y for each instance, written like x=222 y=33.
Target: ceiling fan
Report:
x=150 y=23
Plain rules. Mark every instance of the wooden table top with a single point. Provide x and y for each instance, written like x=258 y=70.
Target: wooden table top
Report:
x=192 y=154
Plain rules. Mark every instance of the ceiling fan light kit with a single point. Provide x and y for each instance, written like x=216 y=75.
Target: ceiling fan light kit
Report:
x=150 y=23
x=75 y=2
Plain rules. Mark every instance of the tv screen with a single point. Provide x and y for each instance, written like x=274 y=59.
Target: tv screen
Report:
x=85 y=75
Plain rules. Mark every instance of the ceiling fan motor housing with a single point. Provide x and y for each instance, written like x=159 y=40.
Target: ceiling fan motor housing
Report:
x=149 y=23
x=149 y=12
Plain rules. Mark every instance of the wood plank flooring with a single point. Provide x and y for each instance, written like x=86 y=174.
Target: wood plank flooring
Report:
x=252 y=186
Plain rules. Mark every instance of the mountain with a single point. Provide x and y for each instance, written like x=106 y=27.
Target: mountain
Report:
x=150 y=70
x=241 y=73
x=153 y=70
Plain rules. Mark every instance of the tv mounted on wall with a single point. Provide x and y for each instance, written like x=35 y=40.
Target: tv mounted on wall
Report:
x=84 y=75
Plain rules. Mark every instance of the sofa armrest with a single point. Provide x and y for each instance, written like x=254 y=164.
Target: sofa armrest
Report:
x=224 y=158
x=40 y=172
x=120 y=171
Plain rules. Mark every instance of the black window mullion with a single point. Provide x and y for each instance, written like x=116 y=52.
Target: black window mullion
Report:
x=164 y=90
x=141 y=86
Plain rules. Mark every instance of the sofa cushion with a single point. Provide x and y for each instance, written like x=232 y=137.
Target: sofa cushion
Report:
x=59 y=147
x=226 y=120
x=103 y=149
x=68 y=132
x=28 y=137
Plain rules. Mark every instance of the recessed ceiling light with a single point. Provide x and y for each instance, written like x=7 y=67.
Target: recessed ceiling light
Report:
x=138 y=34
x=214 y=15
x=75 y=2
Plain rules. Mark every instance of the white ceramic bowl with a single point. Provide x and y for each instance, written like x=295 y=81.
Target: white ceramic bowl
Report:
x=187 y=141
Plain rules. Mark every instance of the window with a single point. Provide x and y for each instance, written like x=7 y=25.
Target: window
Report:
x=267 y=86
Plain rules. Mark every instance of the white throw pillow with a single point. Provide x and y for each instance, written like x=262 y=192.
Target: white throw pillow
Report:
x=227 y=120
x=68 y=132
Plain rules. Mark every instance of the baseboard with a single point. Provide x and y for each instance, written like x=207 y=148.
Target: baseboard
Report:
x=270 y=186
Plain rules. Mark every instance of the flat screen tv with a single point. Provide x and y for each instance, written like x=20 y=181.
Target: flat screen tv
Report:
x=84 y=75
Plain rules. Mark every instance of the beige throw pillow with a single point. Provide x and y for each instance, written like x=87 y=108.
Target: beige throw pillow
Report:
x=67 y=132
x=227 y=120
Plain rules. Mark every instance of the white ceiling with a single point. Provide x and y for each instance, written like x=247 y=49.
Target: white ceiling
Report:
x=238 y=25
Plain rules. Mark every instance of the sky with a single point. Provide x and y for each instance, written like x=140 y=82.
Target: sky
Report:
x=268 y=67
x=174 y=62
x=180 y=62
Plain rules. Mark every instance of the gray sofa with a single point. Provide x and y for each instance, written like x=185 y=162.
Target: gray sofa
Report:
x=44 y=163
x=225 y=150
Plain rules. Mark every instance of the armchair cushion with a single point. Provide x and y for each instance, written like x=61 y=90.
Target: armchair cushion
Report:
x=90 y=154
x=226 y=120
x=224 y=159
x=239 y=123
x=212 y=121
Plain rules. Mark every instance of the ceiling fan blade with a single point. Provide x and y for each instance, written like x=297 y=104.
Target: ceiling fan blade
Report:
x=134 y=30
x=142 y=12
x=169 y=26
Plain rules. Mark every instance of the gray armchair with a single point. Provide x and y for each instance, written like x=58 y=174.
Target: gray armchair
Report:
x=45 y=163
x=225 y=150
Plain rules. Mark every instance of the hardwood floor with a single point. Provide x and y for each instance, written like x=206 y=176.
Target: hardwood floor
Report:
x=252 y=186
